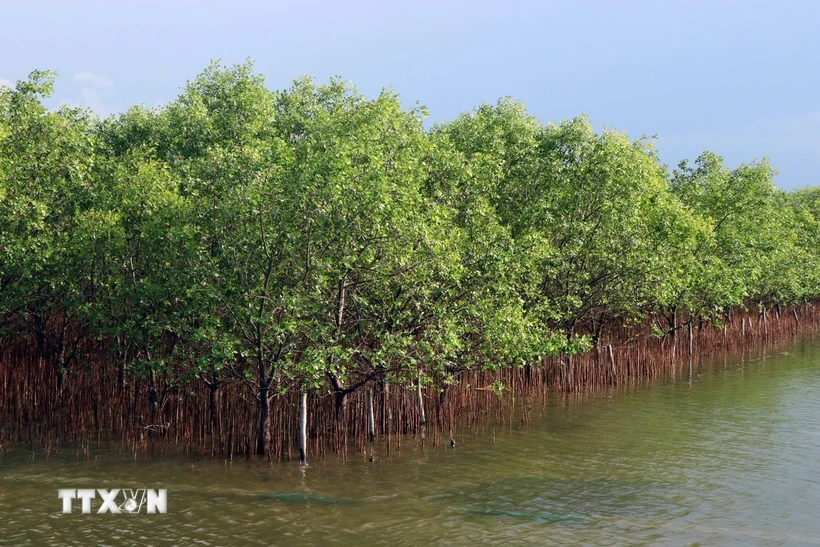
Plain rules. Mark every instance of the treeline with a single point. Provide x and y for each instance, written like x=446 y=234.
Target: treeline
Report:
x=316 y=241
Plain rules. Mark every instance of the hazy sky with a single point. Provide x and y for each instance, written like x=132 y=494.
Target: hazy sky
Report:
x=739 y=78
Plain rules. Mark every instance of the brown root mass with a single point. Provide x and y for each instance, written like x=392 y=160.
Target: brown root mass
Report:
x=93 y=407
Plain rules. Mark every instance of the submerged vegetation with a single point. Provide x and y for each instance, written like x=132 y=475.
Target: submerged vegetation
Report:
x=198 y=262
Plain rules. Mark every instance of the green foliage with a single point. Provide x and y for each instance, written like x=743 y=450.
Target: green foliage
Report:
x=45 y=173
x=749 y=252
x=316 y=238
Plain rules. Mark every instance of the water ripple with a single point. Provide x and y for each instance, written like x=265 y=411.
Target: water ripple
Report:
x=730 y=459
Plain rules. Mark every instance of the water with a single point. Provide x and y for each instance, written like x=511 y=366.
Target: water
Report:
x=730 y=456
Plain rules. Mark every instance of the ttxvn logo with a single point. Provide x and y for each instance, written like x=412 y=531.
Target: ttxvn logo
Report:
x=116 y=500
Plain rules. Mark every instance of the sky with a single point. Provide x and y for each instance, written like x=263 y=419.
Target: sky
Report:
x=740 y=78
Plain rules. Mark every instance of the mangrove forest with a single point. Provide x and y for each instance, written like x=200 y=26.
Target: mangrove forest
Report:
x=248 y=271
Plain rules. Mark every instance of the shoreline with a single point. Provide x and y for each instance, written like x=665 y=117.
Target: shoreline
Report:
x=623 y=359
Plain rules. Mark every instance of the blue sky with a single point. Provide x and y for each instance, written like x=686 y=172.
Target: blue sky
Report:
x=741 y=78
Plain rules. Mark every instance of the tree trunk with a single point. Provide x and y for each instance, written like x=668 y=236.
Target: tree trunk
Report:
x=442 y=397
x=387 y=417
x=371 y=419
x=420 y=400
x=674 y=332
x=263 y=431
x=612 y=363
x=570 y=372
x=152 y=393
x=303 y=428
x=122 y=356
x=340 y=398
x=213 y=388
x=338 y=389
x=596 y=337
x=60 y=372
x=690 y=338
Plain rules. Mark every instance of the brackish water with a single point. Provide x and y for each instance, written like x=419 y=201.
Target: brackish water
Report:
x=729 y=455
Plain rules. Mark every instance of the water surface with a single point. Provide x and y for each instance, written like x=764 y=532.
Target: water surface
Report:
x=729 y=455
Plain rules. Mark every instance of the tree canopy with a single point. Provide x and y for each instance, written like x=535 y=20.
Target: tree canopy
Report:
x=315 y=239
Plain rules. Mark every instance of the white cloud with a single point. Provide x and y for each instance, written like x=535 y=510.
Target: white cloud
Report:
x=95 y=88
x=6 y=83
x=94 y=80
x=93 y=101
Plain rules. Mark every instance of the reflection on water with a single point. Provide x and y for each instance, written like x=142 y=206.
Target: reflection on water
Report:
x=732 y=457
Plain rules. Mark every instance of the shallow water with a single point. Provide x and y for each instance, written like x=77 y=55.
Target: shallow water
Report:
x=728 y=455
